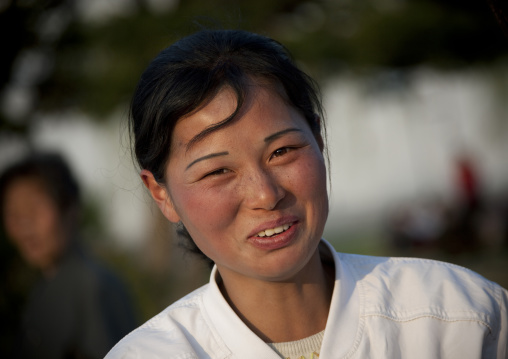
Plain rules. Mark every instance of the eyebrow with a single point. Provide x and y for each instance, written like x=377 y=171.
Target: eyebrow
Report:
x=281 y=133
x=211 y=155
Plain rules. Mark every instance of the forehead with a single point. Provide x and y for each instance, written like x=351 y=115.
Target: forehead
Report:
x=24 y=190
x=215 y=114
x=214 y=111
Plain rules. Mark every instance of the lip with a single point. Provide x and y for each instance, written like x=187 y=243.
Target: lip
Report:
x=272 y=224
x=277 y=241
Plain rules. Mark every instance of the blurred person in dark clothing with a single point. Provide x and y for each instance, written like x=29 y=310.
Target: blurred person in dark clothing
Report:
x=77 y=308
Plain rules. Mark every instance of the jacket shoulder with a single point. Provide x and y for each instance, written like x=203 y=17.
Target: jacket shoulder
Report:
x=166 y=334
x=409 y=288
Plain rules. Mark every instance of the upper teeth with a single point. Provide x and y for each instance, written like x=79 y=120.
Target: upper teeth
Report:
x=272 y=231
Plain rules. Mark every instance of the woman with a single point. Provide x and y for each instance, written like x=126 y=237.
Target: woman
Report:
x=77 y=308
x=228 y=133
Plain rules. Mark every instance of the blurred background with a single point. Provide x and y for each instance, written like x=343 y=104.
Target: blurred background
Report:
x=416 y=99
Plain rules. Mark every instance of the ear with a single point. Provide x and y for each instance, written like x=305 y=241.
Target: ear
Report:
x=160 y=195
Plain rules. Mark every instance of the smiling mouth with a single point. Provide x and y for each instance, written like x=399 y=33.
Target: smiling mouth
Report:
x=273 y=231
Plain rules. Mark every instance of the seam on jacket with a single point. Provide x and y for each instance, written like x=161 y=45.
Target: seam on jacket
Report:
x=490 y=322
x=186 y=356
x=429 y=310
x=433 y=316
x=490 y=287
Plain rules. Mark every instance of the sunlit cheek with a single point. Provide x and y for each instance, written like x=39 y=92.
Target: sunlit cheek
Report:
x=210 y=216
x=210 y=209
x=310 y=189
x=310 y=176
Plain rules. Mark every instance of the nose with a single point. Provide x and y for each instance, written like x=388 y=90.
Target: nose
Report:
x=263 y=190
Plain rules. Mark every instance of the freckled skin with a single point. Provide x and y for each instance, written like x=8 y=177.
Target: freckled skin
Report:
x=254 y=185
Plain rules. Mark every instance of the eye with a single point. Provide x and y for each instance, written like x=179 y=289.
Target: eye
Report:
x=281 y=151
x=217 y=172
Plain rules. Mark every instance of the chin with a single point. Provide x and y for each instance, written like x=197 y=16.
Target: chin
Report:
x=286 y=267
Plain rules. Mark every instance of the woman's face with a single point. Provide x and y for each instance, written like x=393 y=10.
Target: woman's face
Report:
x=252 y=194
x=32 y=221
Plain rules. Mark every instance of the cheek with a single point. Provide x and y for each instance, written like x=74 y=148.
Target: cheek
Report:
x=310 y=179
x=206 y=210
x=314 y=195
x=11 y=227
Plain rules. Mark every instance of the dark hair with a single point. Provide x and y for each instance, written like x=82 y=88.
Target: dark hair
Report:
x=53 y=174
x=193 y=70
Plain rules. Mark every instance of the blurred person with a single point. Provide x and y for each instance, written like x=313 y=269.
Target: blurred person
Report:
x=78 y=308
x=463 y=231
x=229 y=137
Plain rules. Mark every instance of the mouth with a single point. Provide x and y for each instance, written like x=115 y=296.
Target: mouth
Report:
x=279 y=236
x=270 y=232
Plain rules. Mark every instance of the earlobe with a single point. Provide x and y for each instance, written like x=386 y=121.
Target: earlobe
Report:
x=160 y=195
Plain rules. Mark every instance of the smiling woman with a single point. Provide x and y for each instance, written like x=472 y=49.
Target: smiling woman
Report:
x=244 y=178
x=228 y=133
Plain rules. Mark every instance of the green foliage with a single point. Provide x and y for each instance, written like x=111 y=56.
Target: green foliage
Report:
x=93 y=67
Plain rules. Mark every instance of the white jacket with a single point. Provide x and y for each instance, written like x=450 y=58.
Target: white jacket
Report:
x=381 y=308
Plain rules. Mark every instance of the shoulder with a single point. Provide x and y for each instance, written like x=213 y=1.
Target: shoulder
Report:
x=170 y=333
x=408 y=288
x=415 y=270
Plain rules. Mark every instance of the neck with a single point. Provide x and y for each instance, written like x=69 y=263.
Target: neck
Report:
x=284 y=311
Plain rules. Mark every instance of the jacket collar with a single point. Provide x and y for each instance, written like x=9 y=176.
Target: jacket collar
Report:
x=237 y=340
